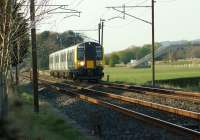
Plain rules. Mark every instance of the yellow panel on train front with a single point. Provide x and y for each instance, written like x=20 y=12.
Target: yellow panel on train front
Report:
x=90 y=64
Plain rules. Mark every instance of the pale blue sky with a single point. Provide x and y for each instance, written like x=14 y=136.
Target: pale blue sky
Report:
x=174 y=20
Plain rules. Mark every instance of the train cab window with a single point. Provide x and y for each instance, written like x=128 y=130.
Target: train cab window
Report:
x=80 y=53
x=90 y=51
x=99 y=52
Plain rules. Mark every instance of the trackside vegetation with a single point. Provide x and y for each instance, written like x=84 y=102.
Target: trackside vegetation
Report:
x=47 y=125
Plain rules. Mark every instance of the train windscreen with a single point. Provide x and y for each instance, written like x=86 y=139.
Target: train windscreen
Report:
x=90 y=51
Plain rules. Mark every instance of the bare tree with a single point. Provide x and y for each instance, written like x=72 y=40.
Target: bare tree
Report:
x=9 y=26
x=5 y=31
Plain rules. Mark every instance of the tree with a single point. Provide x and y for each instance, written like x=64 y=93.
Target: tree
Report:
x=126 y=56
x=146 y=49
x=5 y=31
x=69 y=38
x=49 y=42
x=21 y=43
x=106 y=59
x=11 y=33
x=194 y=52
x=114 y=59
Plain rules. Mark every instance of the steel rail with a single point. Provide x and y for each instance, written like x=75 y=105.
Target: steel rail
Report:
x=181 y=112
x=177 y=129
x=165 y=108
x=195 y=135
x=157 y=90
x=140 y=116
x=168 y=93
x=156 y=106
x=171 y=96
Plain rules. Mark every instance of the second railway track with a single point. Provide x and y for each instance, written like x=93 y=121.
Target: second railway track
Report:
x=150 y=90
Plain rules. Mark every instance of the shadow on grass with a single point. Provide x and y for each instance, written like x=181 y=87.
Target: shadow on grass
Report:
x=188 y=84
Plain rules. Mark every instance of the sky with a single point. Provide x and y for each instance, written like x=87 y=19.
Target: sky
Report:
x=174 y=20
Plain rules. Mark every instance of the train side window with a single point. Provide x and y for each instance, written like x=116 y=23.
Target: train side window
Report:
x=80 y=53
x=69 y=57
x=63 y=57
x=57 y=58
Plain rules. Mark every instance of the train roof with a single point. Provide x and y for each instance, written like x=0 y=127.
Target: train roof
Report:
x=71 y=47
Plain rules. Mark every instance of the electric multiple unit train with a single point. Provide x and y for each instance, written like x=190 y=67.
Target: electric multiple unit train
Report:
x=83 y=61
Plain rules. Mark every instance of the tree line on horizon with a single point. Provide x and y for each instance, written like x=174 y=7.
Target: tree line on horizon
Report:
x=126 y=55
x=136 y=53
x=49 y=42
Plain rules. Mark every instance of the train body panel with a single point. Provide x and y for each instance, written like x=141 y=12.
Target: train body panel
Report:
x=82 y=61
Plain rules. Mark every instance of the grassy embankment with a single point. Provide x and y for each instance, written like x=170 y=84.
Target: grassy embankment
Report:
x=143 y=75
x=47 y=125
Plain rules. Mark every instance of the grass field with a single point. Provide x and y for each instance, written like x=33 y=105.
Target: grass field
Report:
x=46 y=125
x=143 y=75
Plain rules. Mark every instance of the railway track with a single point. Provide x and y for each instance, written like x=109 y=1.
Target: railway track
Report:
x=150 y=90
x=156 y=106
x=79 y=92
x=156 y=92
x=149 y=104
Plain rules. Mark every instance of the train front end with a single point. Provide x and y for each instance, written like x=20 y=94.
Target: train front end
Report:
x=89 y=61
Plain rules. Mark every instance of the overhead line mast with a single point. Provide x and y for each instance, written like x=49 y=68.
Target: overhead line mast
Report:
x=99 y=32
x=122 y=9
x=102 y=30
x=153 y=45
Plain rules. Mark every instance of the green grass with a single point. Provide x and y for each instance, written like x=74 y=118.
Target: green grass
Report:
x=46 y=125
x=143 y=75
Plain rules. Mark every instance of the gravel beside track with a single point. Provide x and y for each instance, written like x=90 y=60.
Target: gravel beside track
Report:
x=177 y=103
x=173 y=118
x=186 y=105
x=108 y=124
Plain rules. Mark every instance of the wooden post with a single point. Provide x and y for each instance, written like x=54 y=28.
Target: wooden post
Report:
x=108 y=78
x=34 y=56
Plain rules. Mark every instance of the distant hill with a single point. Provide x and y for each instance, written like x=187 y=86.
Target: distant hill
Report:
x=180 y=42
x=197 y=41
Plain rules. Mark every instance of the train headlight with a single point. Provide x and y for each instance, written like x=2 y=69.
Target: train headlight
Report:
x=82 y=63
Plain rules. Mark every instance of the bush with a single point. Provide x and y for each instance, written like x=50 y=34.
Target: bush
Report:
x=114 y=59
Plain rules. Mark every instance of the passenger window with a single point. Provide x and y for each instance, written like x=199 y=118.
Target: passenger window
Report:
x=80 y=54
